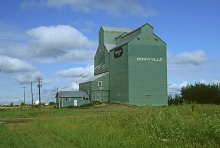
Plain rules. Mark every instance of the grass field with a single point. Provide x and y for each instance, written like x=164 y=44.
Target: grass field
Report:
x=112 y=126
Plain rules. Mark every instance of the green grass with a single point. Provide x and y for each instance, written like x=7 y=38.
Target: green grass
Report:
x=36 y=112
x=174 y=126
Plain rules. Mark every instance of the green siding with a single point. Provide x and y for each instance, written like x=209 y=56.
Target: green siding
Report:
x=139 y=76
x=99 y=92
x=134 y=33
x=101 y=95
x=118 y=76
x=133 y=80
x=70 y=102
x=87 y=88
x=96 y=92
x=147 y=77
x=102 y=54
x=101 y=57
x=109 y=36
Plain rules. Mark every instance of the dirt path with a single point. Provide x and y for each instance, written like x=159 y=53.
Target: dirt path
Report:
x=101 y=109
x=109 y=107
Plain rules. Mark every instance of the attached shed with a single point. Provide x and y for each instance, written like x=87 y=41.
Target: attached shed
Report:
x=97 y=87
x=71 y=98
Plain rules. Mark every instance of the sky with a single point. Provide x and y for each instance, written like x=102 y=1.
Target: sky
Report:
x=56 y=40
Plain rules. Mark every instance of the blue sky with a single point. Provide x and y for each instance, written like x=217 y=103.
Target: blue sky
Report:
x=56 y=40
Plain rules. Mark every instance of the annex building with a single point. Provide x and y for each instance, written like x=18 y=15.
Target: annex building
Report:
x=132 y=67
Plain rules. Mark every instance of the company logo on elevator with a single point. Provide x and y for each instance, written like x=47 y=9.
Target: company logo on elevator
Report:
x=118 y=52
x=149 y=59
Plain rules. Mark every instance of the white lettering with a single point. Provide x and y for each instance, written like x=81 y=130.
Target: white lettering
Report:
x=149 y=59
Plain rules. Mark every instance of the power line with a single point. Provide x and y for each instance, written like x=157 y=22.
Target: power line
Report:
x=10 y=89
x=81 y=76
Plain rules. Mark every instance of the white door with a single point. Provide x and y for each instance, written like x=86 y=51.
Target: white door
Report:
x=75 y=102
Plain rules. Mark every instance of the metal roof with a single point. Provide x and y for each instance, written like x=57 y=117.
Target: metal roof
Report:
x=117 y=29
x=109 y=46
x=95 y=77
x=76 y=94
x=125 y=41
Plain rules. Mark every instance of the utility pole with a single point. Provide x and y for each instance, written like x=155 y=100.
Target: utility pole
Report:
x=24 y=95
x=39 y=86
x=32 y=95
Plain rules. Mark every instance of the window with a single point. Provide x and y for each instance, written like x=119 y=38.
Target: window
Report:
x=100 y=83
x=68 y=99
x=148 y=96
x=85 y=98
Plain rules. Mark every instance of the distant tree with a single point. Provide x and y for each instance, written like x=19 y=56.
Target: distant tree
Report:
x=176 y=100
x=11 y=104
x=201 y=93
x=52 y=103
x=22 y=104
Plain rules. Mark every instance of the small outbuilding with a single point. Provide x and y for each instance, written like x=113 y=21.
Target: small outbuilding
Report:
x=71 y=98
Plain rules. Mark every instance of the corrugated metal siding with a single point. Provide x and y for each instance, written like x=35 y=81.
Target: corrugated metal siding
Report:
x=147 y=77
x=85 y=87
x=101 y=57
x=100 y=93
x=130 y=80
x=118 y=76
x=70 y=102
x=95 y=91
x=139 y=82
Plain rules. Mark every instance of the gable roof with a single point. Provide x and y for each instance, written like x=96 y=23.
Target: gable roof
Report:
x=125 y=41
x=69 y=94
x=131 y=38
x=95 y=77
x=109 y=46
x=117 y=29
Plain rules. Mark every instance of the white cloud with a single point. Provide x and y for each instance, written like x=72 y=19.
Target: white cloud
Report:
x=73 y=76
x=216 y=81
x=59 y=37
x=77 y=55
x=10 y=64
x=8 y=100
x=195 y=57
x=10 y=32
x=61 y=43
x=27 y=77
x=12 y=49
x=75 y=86
x=87 y=26
x=75 y=72
x=32 y=3
x=113 y=7
x=175 y=88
